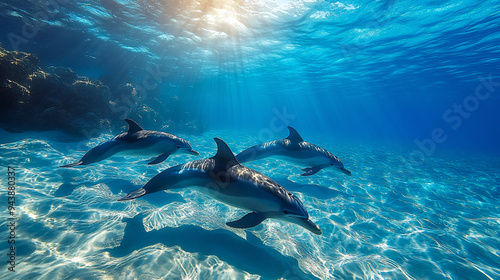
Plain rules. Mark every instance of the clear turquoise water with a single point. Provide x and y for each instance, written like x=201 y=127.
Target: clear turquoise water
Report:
x=438 y=220
x=365 y=70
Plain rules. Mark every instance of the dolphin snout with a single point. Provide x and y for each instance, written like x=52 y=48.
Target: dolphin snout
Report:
x=309 y=225
x=347 y=172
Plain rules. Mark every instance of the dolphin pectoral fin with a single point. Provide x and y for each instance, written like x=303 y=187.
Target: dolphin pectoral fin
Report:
x=248 y=221
x=134 y=194
x=310 y=170
x=151 y=159
x=73 y=164
x=159 y=159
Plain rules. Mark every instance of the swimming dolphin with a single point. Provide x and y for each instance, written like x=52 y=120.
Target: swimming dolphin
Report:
x=226 y=180
x=138 y=141
x=295 y=149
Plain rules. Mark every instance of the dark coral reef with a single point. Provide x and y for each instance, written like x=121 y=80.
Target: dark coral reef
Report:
x=55 y=98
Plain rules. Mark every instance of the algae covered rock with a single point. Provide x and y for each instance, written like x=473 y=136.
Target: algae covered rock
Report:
x=35 y=99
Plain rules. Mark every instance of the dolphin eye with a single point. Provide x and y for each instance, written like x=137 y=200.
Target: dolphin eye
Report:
x=178 y=147
x=285 y=212
x=290 y=194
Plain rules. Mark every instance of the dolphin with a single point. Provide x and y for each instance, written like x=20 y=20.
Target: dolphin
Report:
x=222 y=177
x=294 y=149
x=137 y=141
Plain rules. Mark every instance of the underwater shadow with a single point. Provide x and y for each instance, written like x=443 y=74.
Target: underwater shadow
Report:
x=115 y=185
x=312 y=190
x=248 y=255
x=65 y=189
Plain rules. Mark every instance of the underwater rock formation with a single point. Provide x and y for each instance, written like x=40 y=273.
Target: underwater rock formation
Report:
x=59 y=99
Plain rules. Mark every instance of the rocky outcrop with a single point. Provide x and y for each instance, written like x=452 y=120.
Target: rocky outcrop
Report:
x=33 y=98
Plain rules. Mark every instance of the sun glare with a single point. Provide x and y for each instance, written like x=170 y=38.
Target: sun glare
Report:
x=232 y=16
x=225 y=20
x=219 y=16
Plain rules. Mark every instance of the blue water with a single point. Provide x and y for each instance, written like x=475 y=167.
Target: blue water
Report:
x=406 y=94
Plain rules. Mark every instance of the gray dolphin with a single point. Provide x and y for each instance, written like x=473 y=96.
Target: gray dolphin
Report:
x=294 y=149
x=138 y=141
x=226 y=180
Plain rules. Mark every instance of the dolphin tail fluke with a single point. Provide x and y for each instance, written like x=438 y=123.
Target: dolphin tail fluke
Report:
x=134 y=194
x=248 y=221
x=73 y=164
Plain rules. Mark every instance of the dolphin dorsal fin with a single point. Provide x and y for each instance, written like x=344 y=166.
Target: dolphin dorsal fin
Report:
x=294 y=136
x=224 y=156
x=133 y=126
